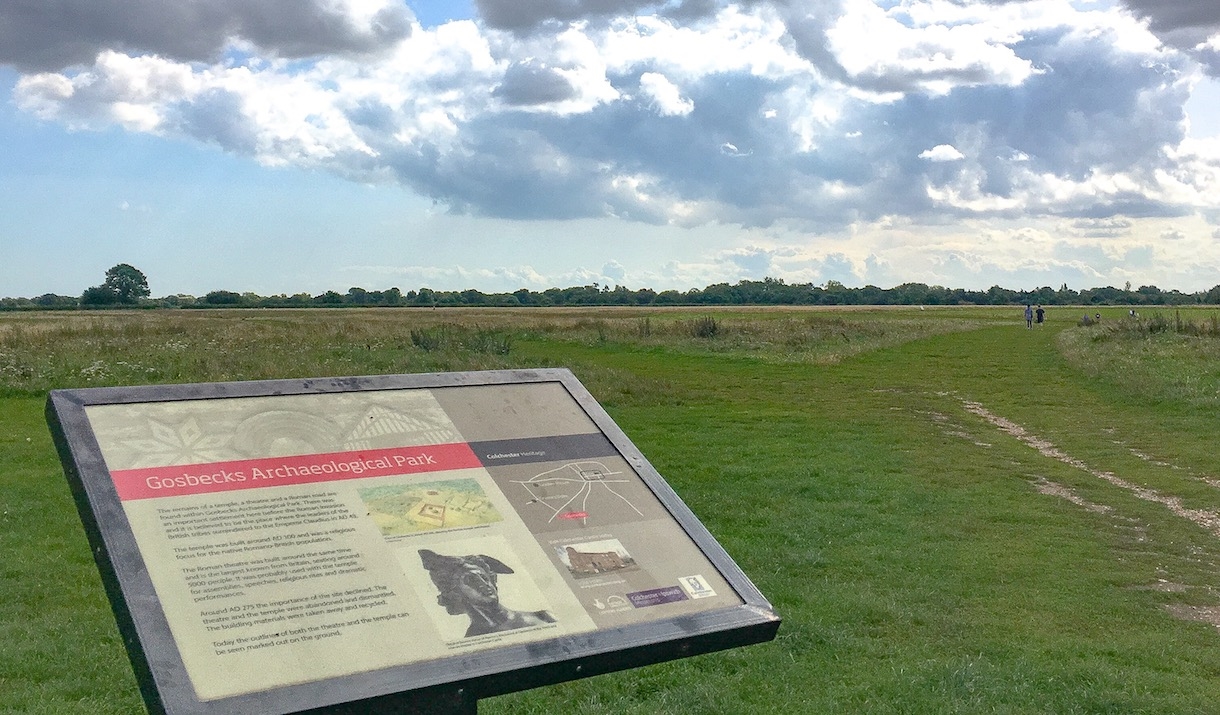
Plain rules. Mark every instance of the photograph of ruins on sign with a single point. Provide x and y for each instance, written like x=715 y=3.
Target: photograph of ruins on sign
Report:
x=595 y=558
x=399 y=509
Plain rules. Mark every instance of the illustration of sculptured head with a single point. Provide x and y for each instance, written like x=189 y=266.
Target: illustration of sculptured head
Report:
x=464 y=581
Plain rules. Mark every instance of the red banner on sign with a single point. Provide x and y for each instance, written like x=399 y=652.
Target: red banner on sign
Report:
x=155 y=482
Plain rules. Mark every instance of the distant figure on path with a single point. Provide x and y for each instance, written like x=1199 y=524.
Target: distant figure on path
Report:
x=1041 y=314
x=1029 y=317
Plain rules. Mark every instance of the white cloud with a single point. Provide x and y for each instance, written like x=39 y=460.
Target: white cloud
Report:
x=668 y=98
x=735 y=40
x=615 y=271
x=850 y=112
x=730 y=149
x=1111 y=227
x=942 y=152
x=501 y=279
x=881 y=52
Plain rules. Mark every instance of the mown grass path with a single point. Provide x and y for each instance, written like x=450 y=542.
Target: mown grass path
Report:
x=924 y=559
x=932 y=520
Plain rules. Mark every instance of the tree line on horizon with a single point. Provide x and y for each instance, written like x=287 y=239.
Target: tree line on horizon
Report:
x=126 y=286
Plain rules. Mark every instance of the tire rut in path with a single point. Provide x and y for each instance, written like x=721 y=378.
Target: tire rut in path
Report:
x=1208 y=520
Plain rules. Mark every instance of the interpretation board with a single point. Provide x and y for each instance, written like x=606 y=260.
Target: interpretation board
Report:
x=313 y=545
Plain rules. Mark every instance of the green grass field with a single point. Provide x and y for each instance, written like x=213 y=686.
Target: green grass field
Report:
x=952 y=513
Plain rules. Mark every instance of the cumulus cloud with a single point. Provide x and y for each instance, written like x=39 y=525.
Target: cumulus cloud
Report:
x=501 y=279
x=812 y=115
x=529 y=83
x=942 y=152
x=665 y=94
x=50 y=35
x=1101 y=227
x=881 y=52
x=751 y=262
x=1179 y=18
x=838 y=267
x=614 y=271
x=529 y=15
x=905 y=49
x=1188 y=25
x=279 y=120
x=1208 y=54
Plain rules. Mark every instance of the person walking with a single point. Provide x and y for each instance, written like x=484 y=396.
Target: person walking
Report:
x=1041 y=314
x=1029 y=317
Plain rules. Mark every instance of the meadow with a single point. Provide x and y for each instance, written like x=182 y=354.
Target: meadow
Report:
x=951 y=512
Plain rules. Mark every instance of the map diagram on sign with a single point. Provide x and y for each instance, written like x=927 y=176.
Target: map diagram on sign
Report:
x=568 y=491
x=410 y=508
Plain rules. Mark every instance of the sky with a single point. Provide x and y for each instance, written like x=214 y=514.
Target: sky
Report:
x=288 y=146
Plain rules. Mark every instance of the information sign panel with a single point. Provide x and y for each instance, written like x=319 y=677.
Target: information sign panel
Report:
x=288 y=545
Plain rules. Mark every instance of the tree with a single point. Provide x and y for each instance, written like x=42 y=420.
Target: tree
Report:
x=50 y=300
x=222 y=297
x=99 y=295
x=127 y=283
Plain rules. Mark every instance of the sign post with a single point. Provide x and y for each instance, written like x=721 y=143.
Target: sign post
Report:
x=407 y=543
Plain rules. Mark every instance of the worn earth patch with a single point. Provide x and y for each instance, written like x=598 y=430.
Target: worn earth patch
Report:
x=1209 y=520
